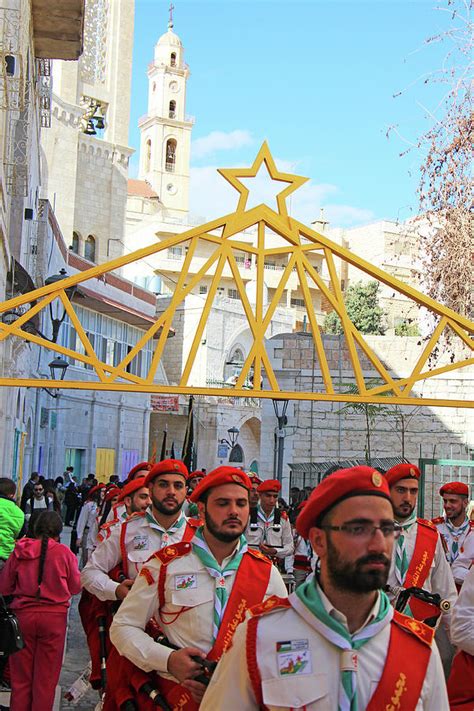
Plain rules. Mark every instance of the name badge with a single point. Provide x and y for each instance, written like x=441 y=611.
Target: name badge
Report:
x=185 y=582
x=293 y=657
x=140 y=543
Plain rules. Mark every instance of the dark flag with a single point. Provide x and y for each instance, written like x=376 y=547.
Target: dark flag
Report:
x=163 y=444
x=172 y=454
x=189 y=456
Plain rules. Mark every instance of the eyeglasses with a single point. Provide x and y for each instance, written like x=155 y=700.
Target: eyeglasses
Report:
x=365 y=531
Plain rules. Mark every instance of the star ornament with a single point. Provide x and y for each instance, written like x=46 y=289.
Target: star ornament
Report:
x=232 y=176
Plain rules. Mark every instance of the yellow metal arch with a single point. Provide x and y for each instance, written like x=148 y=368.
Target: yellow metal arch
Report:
x=223 y=235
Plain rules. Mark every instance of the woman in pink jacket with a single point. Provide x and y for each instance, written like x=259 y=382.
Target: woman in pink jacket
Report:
x=42 y=575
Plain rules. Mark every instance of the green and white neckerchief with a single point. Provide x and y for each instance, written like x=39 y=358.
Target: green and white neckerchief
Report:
x=266 y=519
x=201 y=549
x=401 y=558
x=337 y=634
x=455 y=534
x=166 y=533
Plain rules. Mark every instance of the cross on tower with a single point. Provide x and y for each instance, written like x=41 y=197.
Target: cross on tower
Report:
x=170 y=23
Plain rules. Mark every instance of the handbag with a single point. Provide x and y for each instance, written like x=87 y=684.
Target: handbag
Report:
x=11 y=639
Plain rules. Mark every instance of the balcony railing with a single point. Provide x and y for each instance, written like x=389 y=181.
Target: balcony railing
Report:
x=245 y=401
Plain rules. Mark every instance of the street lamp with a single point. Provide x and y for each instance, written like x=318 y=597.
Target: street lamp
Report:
x=233 y=433
x=280 y=407
x=56 y=316
x=58 y=366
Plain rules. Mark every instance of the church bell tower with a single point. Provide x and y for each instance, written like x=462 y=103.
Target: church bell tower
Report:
x=165 y=140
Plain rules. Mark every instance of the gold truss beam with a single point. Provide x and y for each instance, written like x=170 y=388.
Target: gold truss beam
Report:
x=222 y=236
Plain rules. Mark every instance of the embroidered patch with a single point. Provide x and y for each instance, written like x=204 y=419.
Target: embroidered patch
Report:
x=376 y=479
x=293 y=657
x=185 y=582
x=140 y=543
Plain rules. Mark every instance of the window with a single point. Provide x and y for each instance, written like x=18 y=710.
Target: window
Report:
x=175 y=252
x=75 y=243
x=203 y=289
x=297 y=302
x=233 y=294
x=170 y=155
x=173 y=59
x=172 y=109
x=147 y=155
x=89 y=248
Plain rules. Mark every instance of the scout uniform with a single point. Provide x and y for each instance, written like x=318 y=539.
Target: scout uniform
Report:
x=196 y=601
x=86 y=525
x=273 y=530
x=461 y=680
x=298 y=653
x=418 y=558
x=120 y=511
x=458 y=540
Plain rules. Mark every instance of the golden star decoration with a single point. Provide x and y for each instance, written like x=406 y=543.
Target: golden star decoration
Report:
x=232 y=176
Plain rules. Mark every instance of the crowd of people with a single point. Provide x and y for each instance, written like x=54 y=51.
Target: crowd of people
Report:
x=208 y=590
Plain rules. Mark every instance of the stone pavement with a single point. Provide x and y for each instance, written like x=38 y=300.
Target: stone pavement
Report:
x=75 y=661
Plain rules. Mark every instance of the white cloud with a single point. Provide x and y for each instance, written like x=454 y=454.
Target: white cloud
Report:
x=220 y=141
x=211 y=196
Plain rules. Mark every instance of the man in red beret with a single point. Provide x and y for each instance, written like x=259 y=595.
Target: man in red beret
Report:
x=418 y=558
x=198 y=591
x=456 y=530
x=142 y=534
x=268 y=530
x=336 y=642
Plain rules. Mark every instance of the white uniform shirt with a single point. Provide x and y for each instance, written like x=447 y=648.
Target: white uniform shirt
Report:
x=317 y=687
x=193 y=627
x=465 y=540
x=144 y=536
x=462 y=618
x=440 y=579
x=264 y=532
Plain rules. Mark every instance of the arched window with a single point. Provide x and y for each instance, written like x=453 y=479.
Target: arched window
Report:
x=170 y=155
x=173 y=59
x=89 y=248
x=148 y=155
x=75 y=243
x=237 y=454
x=172 y=109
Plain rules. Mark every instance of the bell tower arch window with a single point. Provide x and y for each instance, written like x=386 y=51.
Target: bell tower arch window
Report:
x=172 y=109
x=173 y=59
x=170 y=162
x=89 y=248
x=147 y=155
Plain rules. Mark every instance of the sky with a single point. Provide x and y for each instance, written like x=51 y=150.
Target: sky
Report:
x=322 y=81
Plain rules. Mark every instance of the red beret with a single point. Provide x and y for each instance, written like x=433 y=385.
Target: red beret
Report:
x=141 y=467
x=113 y=491
x=402 y=471
x=218 y=477
x=269 y=485
x=357 y=481
x=198 y=474
x=132 y=486
x=167 y=466
x=95 y=488
x=254 y=479
x=454 y=487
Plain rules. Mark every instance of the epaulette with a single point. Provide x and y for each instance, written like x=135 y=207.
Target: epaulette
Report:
x=135 y=514
x=108 y=524
x=438 y=519
x=194 y=522
x=172 y=552
x=255 y=553
x=271 y=604
x=284 y=515
x=428 y=524
x=424 y=633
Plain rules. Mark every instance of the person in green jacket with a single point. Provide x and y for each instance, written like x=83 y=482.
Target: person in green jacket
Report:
x=12 y=519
